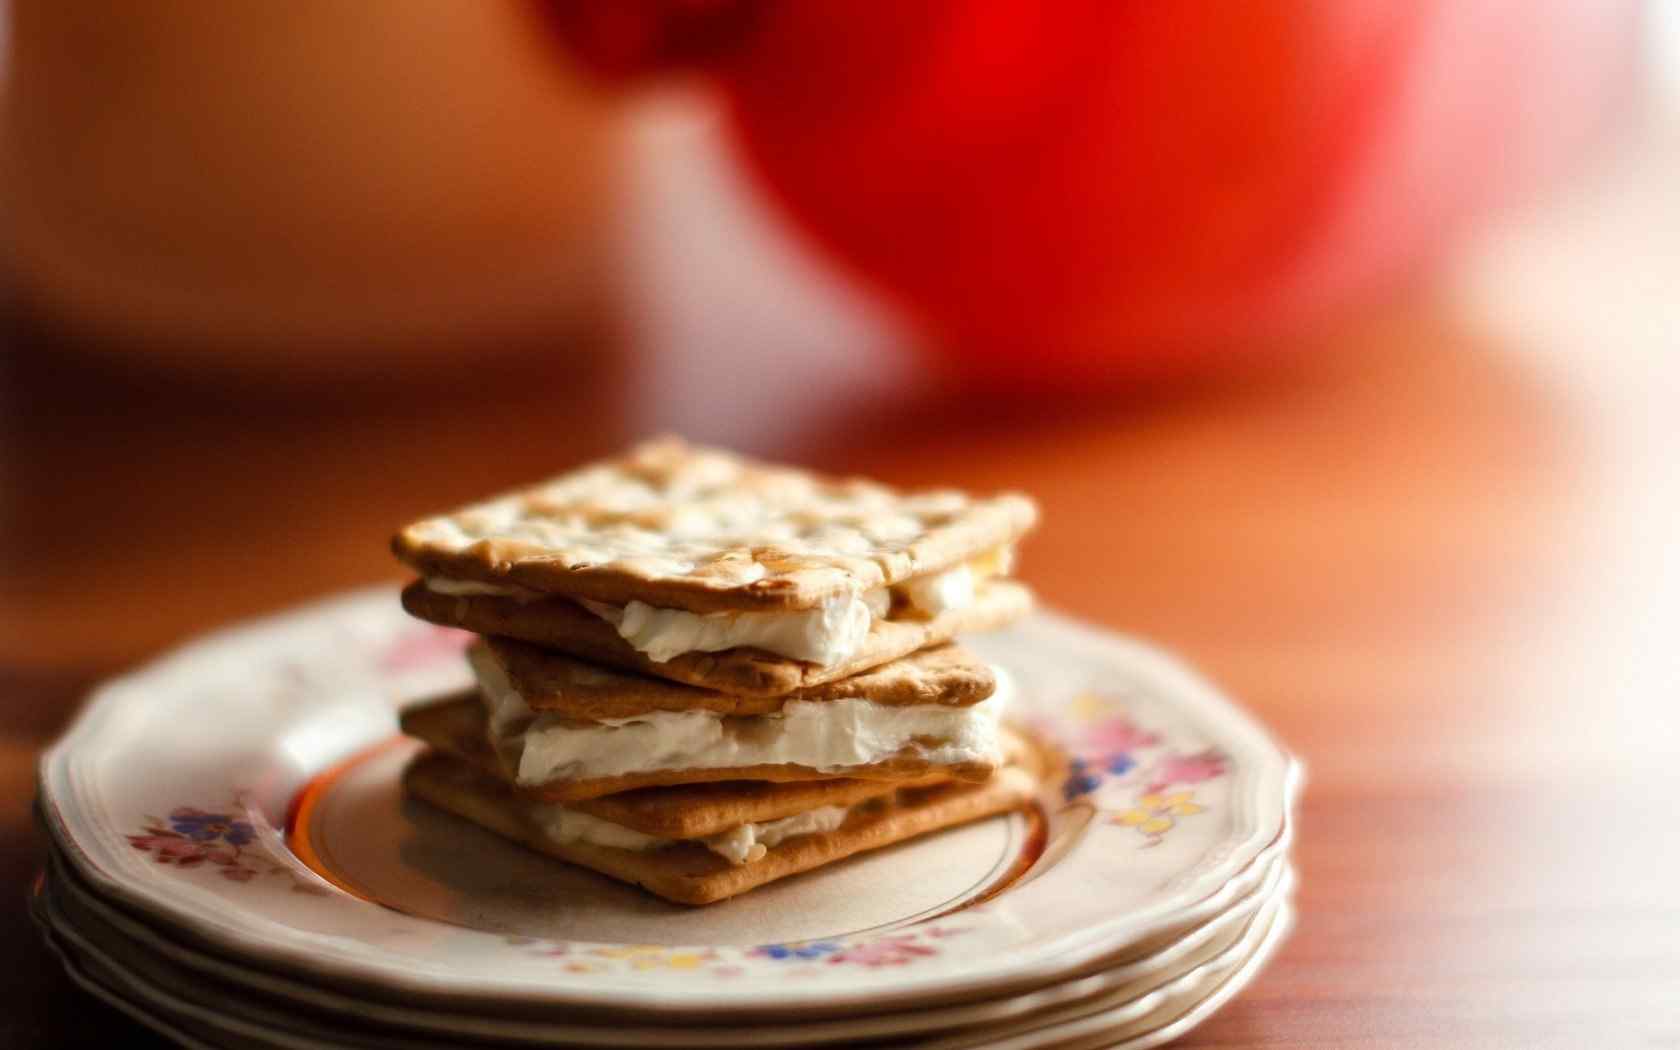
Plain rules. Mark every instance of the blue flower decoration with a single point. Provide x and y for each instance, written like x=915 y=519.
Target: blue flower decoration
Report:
x=1080 y=781
x=200 y=826
x=807 y=950
x=1120 y=762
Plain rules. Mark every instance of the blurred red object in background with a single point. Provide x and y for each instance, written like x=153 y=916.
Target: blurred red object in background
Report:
x=1097 y=189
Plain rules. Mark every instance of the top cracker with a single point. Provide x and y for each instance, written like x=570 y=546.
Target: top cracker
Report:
x=701 y=529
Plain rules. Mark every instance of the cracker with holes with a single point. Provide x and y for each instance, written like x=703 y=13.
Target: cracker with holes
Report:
x=701 y=869
x=716 y=571
x=699 y=674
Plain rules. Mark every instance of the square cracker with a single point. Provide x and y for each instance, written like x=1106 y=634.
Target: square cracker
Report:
x=461 y=718
x=685 y=527
x=685 y=811
x=688 y=873
x=549 y=681
x=559 y=623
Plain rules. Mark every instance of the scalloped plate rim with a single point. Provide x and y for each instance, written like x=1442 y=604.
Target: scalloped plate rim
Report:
x=874 y=987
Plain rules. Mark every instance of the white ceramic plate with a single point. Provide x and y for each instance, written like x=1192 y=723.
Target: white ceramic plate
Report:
x=180 y=967
x=170 y=795
x=1130 y=1010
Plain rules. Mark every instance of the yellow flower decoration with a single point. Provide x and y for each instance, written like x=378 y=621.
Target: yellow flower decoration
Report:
x=627 y=951
x=652 y=957
x=1088 y=707
x=1178 y=803
x=1154 y=814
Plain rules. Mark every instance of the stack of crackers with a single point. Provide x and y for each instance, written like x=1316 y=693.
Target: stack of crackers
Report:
x=699 y=674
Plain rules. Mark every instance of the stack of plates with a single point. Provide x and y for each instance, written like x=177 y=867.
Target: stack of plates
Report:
x=233 y=864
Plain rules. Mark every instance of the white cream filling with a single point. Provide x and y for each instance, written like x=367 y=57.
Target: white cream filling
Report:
x=739 y=845
x=563 y=827
x=941 y=592
x=465 y=588
x=826 y=635
x=511 y=719
x=830 y=736
x=509 y=715
x=750 y=842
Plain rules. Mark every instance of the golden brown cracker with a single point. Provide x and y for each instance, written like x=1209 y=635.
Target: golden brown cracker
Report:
x=687 y=873
x=693 y=811
x=546 y=680
x=687 y=527
x=561 y=624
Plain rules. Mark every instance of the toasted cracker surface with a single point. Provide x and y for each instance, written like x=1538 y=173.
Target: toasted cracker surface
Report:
x=561 y=624
x=685 y=811
x=454 y=722
x=687 y=873
x=685 y=527
x=547 y=680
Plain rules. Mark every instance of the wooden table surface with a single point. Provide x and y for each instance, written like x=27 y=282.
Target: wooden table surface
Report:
x=1441 y=565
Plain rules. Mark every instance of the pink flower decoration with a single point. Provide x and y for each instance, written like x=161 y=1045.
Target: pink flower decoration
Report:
x=1186 y=769
x=889 y=951
x=1119 y=734
x=171 y=848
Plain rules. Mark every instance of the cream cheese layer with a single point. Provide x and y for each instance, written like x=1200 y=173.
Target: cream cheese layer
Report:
x=829 y=736
x=826 y=635
x=469 y=588
x=750 y=842
x=739 y=845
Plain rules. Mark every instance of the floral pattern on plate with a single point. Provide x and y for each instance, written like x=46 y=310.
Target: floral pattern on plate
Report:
x=791 y=959
x=233 y=841
x=1156 y=758
x=1127 y=771
x=191 y=837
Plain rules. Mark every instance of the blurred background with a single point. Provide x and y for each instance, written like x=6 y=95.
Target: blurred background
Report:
x=1336 y=338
